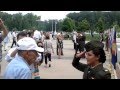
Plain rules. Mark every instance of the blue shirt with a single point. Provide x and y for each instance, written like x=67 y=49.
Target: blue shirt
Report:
x=18 y=68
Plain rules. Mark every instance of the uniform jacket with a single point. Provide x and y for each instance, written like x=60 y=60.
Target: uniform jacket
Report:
x=98 y=72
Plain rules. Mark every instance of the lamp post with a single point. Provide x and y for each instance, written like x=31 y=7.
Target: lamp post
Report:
x=55 y=26
x=38 y=21
x=52 y=26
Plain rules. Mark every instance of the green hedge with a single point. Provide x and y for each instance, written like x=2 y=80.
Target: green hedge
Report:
x=89 y=37
x=118 y=35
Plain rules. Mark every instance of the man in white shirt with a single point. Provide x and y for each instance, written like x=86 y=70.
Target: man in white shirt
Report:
x=14 y=38
x=74 y=39
x=37 y=35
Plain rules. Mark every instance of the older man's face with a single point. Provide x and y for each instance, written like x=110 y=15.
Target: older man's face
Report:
x=30 y=56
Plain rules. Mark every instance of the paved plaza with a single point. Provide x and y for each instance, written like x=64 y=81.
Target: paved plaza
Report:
x=61 y=68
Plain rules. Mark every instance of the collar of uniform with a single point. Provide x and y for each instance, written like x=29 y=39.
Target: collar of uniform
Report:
x=98 y=67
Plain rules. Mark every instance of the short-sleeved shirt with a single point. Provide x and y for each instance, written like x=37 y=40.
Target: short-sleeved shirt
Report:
x=47 y=46
x=14 y=34
x=18 y=68
x=74 y=38
x=37 y=35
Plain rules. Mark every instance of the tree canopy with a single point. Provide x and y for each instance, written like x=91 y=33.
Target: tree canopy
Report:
x=81 y=21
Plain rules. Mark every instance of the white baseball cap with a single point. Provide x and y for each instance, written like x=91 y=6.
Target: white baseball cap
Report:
x=28 y=43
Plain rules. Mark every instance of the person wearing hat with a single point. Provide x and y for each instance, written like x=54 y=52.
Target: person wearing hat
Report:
x=95 y=56
x=19 y=67
x=13 y=51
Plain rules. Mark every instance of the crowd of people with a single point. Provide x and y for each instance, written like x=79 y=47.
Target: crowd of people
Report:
x=28 y=51
x=31 y=47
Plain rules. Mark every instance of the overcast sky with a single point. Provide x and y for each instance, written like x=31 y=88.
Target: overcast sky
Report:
x=45 y=15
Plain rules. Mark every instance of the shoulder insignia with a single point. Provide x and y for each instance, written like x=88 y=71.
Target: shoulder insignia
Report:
x=106 y=70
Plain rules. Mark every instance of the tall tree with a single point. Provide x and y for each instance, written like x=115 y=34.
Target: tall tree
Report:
x=68 y=25
x=83 y=26
x=100 y=25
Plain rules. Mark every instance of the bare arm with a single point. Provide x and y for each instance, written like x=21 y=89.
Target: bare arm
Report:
x=3 y=28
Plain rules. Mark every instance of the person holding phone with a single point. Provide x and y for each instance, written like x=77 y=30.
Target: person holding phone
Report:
x=95 y=56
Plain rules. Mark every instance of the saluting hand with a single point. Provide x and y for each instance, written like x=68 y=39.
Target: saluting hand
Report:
x=80 y=54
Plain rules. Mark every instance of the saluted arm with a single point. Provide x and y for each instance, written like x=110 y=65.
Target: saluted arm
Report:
x=78 y=65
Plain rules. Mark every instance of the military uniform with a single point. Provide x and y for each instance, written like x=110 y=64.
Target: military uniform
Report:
x=98 y=72
x=79 y=44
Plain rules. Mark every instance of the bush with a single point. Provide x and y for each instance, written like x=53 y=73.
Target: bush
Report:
x=118 y=35
x=89 y=37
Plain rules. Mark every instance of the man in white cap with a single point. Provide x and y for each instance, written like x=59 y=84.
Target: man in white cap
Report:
x=19 y=67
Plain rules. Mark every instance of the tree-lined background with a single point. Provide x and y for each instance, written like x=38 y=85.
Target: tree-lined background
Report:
x=83 y=21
